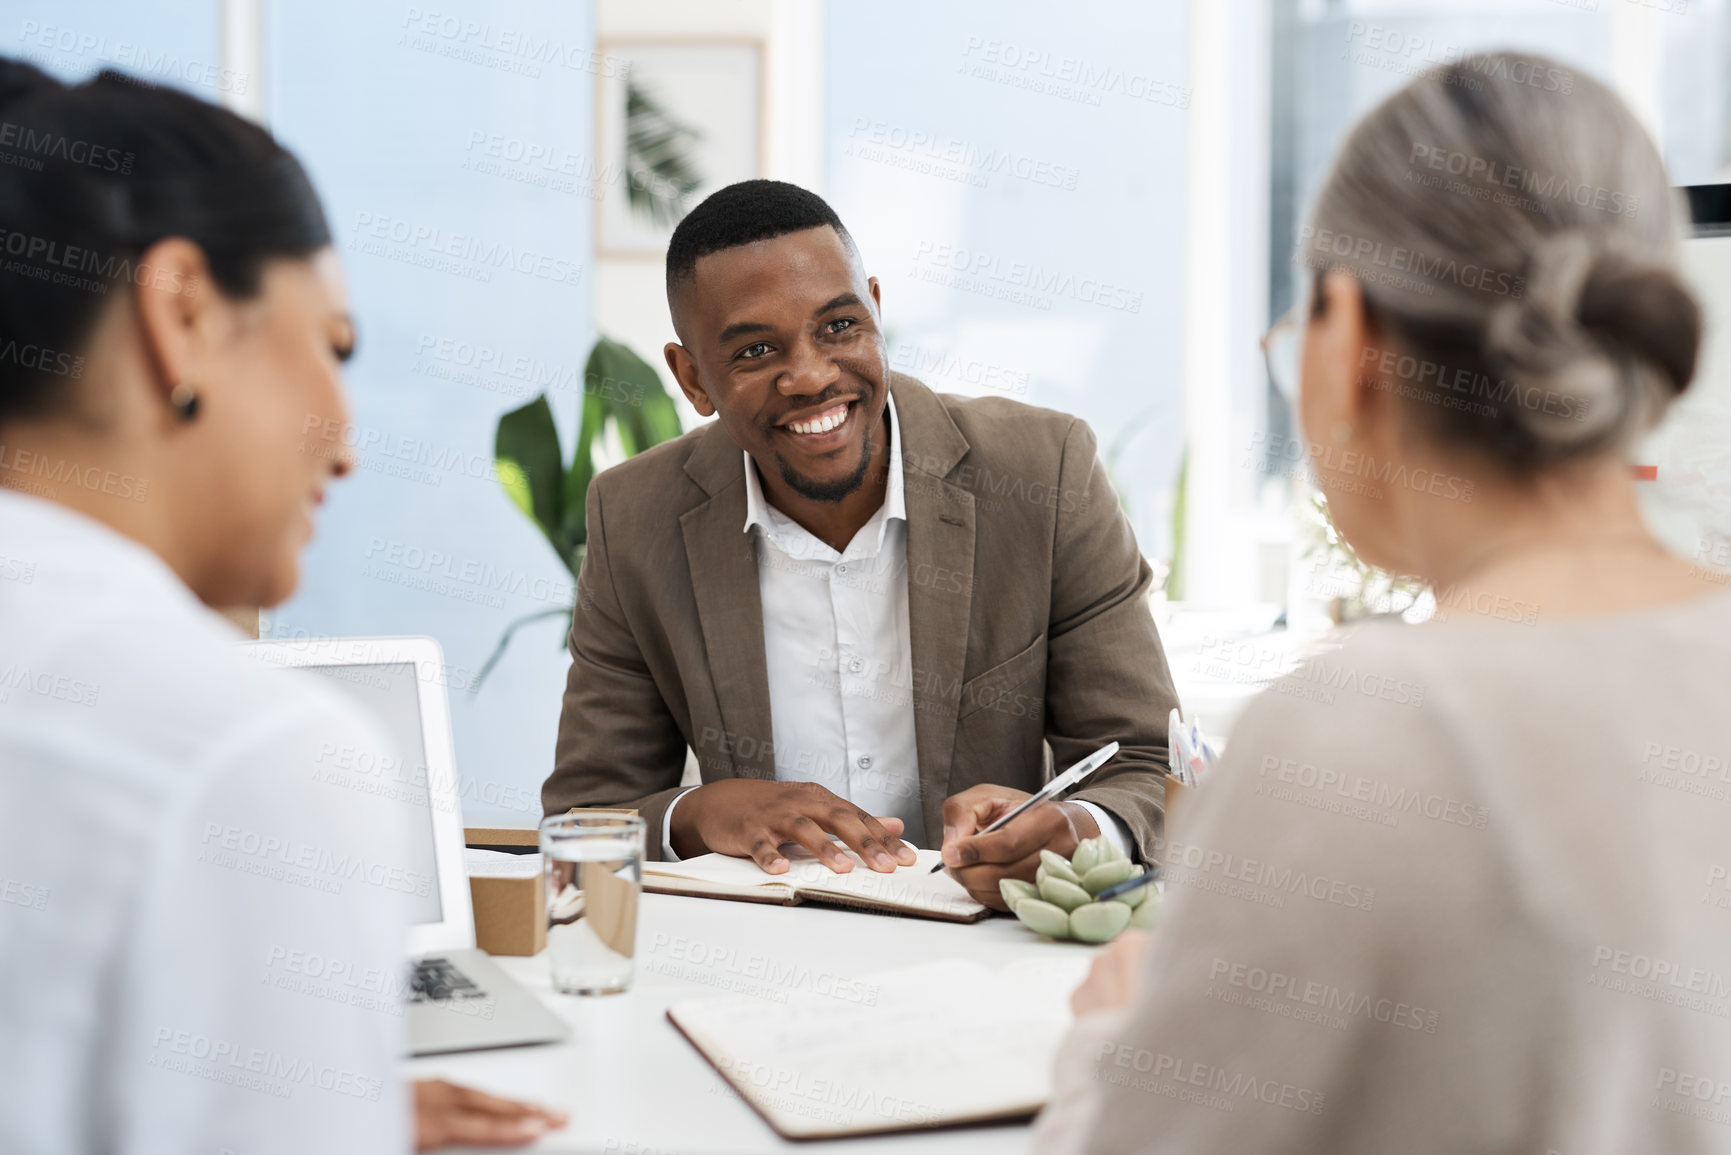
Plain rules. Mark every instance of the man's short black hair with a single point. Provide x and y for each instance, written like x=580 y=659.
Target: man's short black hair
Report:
x=741 y=214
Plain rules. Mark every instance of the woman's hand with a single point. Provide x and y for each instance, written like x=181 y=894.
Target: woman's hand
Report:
x=1115 y=976
x=446 y=1114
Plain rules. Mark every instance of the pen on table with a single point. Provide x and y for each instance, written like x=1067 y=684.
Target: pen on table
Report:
x=1052 y=789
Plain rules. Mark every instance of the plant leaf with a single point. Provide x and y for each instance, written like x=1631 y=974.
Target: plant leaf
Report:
x=620 y=385
x=660 y=173
x=516 y=484
x=592 y=418
x=628 y=387
x=526 y=452
x=576 y=526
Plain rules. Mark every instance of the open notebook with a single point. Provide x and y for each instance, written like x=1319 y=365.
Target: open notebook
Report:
x=912 y=890
x=933 y=1045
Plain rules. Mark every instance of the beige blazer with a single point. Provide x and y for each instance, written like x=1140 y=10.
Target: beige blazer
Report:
x=1027 y=609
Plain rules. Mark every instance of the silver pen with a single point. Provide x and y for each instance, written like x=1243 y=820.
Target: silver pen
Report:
x=1052 y=789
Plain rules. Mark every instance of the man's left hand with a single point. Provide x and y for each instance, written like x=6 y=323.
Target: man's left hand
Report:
x=978 y=861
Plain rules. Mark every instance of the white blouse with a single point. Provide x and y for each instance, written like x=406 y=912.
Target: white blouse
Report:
x=192 y=956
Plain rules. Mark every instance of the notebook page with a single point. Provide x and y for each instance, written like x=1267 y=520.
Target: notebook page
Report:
x=907 y=887
x=944 y=1042
x=722 y=869
x=910 y=887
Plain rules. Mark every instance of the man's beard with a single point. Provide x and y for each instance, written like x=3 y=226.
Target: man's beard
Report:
x=828 y=490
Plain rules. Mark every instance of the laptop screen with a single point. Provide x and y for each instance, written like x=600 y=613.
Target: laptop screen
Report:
x=388 y=691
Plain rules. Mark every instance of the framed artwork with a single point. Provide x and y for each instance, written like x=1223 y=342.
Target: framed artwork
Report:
x=679 y=120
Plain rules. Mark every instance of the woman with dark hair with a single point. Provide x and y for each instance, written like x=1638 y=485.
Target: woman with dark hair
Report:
x=195 y=954
x=1461 y=887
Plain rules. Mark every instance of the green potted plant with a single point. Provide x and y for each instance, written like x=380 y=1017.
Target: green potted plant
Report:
x=619 y=388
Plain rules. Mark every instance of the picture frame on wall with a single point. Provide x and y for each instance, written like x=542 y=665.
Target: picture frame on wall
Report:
x=697 y=107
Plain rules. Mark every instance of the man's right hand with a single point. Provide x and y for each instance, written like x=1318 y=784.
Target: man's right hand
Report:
x=752 y=818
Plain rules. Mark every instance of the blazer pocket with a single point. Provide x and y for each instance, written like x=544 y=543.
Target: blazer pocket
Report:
x=995 y=688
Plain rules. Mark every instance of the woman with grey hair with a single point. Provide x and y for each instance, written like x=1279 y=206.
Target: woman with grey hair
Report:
x=1461 y=886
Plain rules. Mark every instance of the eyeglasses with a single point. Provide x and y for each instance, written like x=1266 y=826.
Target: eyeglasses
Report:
x=1283 y=349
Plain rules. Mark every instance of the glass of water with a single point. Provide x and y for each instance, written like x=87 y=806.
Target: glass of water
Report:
x=594 y=862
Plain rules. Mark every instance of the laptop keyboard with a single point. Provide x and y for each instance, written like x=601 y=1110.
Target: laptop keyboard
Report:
x=438 y=980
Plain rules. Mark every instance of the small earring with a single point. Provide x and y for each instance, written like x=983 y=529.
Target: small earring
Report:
x=1342 y=434
x=185 y=401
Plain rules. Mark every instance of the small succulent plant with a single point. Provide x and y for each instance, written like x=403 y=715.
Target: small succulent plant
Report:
x=1060 y=901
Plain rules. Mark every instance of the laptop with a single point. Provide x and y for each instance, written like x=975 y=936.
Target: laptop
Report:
x=458 y=998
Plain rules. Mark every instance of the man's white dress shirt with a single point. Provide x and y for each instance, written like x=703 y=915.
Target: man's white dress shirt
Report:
x=192 y=958
x=836 y=644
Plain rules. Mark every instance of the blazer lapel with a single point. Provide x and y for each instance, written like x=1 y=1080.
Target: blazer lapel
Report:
x=723 y=564
x=940 y=583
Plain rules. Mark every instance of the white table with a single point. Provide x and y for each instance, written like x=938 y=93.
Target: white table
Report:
x=634 y=1086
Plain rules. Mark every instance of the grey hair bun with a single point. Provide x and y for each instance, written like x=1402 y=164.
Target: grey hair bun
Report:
x=1519 y=242
x=1609 y=336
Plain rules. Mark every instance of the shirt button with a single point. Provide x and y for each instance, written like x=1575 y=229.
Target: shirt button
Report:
x=865 y=761
x=855 y=665
x=841 y=569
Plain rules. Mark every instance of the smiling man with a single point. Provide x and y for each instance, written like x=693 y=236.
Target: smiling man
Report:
x=869 y=609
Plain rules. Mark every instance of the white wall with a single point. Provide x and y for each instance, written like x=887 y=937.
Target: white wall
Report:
x=1015 y=179
x=630 y=297
x=408 y=127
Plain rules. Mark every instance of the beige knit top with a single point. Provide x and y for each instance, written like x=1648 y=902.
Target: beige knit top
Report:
x=1460 y=887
